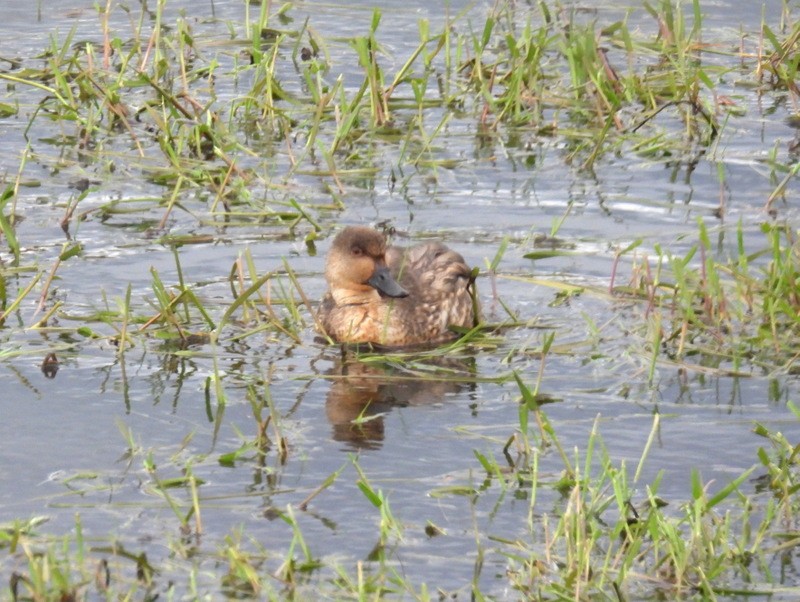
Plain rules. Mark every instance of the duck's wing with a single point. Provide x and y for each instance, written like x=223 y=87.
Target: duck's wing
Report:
x=437 y=280
x=430 y=269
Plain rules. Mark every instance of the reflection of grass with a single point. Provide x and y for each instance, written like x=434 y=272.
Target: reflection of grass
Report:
x=288 y=125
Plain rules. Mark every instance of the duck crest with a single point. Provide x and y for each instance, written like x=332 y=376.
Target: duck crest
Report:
x=394 y=296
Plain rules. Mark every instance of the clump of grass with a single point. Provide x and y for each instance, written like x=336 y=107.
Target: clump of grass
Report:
x=542 y=66
x=580 y=82
x=782 y=477
x=70 y=567
x=741 y=308
x=779 y=64
x=596 y=530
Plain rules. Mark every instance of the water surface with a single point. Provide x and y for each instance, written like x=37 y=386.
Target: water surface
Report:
x=62 y=452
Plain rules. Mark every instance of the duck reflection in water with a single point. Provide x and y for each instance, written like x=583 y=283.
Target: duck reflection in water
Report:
x=361 y=394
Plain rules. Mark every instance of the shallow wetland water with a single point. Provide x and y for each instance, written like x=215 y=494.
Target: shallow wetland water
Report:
x=130 y=416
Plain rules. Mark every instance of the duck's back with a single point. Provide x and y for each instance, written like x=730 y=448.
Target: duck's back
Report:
x=437 y=280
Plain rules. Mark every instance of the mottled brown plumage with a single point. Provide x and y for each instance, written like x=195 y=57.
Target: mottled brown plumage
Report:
x=394 y=296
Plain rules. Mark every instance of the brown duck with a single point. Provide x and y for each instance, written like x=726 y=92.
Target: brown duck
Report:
x=393 y=296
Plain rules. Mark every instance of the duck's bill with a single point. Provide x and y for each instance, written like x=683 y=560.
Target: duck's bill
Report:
x=385 y=284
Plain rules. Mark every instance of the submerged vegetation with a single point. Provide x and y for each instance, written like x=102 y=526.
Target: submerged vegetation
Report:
x=189 y=140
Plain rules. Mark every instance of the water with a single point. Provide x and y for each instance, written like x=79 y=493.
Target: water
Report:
x=62 y=451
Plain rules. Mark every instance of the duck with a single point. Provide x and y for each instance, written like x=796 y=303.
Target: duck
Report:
x=391 y=296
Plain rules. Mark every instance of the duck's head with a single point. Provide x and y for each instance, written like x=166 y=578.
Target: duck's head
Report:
x=356 y=265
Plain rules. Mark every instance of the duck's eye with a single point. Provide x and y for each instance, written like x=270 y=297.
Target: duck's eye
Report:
x=356 y=252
